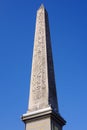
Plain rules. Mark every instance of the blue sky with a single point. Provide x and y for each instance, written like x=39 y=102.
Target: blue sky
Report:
x=68 y=27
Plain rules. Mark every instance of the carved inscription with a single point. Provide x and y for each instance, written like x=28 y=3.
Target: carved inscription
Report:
x=38 y=80
x=42 y=89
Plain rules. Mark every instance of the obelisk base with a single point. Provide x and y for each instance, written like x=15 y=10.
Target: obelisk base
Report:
x=44 y=119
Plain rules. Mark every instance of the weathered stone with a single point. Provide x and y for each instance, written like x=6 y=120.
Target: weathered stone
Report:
x=42 y=87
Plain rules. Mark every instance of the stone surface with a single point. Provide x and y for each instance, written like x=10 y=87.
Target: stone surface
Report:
x=45 y=119
x=42 y=86
x=42 y=124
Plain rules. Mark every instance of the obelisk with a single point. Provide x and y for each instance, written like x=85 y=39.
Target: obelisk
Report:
x=43 y=113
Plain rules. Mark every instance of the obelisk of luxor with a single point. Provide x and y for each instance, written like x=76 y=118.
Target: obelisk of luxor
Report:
x=42 y=87
x=43 y=113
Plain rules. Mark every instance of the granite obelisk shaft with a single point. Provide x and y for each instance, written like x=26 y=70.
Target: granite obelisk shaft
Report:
x=42 y=87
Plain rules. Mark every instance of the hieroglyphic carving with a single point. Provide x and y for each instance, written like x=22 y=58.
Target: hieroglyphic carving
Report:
x=38 y=80
x=42 y=89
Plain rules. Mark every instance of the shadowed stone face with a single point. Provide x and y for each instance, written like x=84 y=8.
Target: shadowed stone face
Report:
x=42 y=87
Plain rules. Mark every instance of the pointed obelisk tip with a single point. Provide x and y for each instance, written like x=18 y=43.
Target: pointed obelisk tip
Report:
x=42 y=6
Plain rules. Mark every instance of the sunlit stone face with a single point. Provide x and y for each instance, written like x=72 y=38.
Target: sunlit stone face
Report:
x=39 y=84
x=39 y=125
